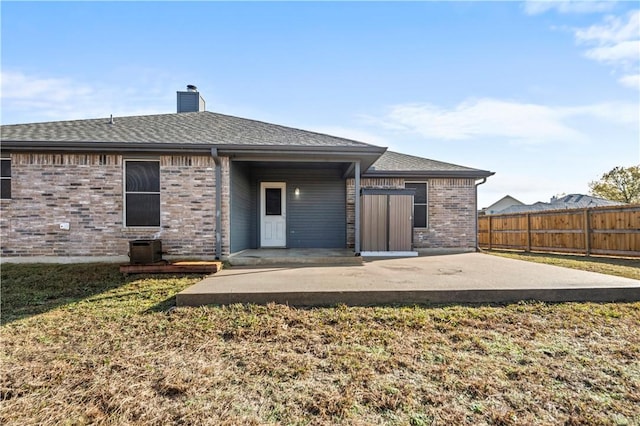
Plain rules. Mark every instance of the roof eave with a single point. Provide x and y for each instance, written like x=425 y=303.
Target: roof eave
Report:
x=366 y=155
x=469 y=174
x=225 y=149
x=45 y=146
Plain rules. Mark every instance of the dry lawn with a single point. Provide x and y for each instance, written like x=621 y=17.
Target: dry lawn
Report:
x=83 y=345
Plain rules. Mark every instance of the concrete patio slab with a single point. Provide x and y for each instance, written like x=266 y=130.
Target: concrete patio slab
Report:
x=278 y=256
x=459 y=278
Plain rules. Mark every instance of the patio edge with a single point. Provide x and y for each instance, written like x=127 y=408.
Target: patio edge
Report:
x=412 y=297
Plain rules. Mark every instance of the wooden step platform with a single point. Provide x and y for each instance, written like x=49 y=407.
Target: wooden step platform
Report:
x=181 y=267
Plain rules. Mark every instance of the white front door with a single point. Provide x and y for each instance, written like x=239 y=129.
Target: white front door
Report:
x=273 y=214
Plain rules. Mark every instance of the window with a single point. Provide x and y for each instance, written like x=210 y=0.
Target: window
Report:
x=5 y=178
x=419 y=203
x=273 y=204
x=142 y=193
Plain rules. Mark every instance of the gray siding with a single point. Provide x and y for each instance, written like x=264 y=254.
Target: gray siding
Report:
x=190 y=102
x=243 y=208
x=316 y=218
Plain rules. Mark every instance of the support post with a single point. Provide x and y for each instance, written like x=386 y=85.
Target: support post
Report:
x=587 y=232
x=357 y=207
x=218 y=171
x=489 y=231
x=528 y=232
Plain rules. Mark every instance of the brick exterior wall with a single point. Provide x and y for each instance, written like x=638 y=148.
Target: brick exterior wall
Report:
x=451 y=212
x=86 y=191
x=187 y=205
x=451 y=216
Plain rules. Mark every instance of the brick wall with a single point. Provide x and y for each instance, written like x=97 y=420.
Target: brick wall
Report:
x=451 y=215
x=187 y=205
x=451 y=212
x=86 y=191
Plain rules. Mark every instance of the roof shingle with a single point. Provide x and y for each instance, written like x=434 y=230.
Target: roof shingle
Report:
x=194 y=128
x=202 y=130
x=391 y=162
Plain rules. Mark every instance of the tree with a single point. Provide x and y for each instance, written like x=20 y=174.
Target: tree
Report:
x=619 y=184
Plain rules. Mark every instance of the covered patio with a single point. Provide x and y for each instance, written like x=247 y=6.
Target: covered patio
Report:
x=289 y=197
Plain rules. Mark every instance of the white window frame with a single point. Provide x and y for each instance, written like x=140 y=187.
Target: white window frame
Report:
x=124 y=193
x=426 y=203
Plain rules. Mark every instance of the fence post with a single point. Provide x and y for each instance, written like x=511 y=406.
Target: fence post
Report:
x=489 y=231
x=587 y=232
x=528 y=232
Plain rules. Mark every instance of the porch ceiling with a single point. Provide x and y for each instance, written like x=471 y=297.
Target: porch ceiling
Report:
x=308 y=157
x=342 y=166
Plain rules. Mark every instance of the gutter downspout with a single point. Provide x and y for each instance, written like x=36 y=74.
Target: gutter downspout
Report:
x=475 y=217
x=357 y=207
x=216 y=160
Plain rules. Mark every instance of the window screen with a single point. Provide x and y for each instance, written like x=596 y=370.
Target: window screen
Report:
x=273 y=204
x=419 y=203
x=5 y=178
x=142 y=193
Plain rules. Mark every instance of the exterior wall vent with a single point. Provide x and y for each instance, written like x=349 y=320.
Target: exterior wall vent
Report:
x=190 y=101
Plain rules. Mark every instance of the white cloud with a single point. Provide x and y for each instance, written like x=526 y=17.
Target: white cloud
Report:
x=632 y=81
x=613 y=30
x=616 y=54
x=567 y=6
x=514 y=121
x=18 y=86
x=615 y=42
x=488 y=117
x=31 y=98
x=613 y=112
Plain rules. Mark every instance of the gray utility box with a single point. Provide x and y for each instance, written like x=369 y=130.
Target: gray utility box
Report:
x=145 y=251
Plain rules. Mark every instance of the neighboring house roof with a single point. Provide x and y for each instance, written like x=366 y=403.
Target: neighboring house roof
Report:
x=571 y=201
x=501 y=204
x=402 y=165
x=581 y=200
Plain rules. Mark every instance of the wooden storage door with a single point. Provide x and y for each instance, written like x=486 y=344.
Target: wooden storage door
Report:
x=400 y=222
x=386 y=220
x=374 y=222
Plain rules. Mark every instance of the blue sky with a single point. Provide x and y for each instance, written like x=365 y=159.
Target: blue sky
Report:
x=545 y=94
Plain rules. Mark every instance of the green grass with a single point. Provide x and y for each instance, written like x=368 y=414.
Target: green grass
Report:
x=80 y=344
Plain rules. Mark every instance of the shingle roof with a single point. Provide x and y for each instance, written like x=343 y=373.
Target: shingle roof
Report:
x=571 y=201
x=193 y=128
x=394 y=162
x=202 y=130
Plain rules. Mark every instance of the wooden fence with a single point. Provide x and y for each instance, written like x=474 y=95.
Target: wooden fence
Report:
x=611 y=231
